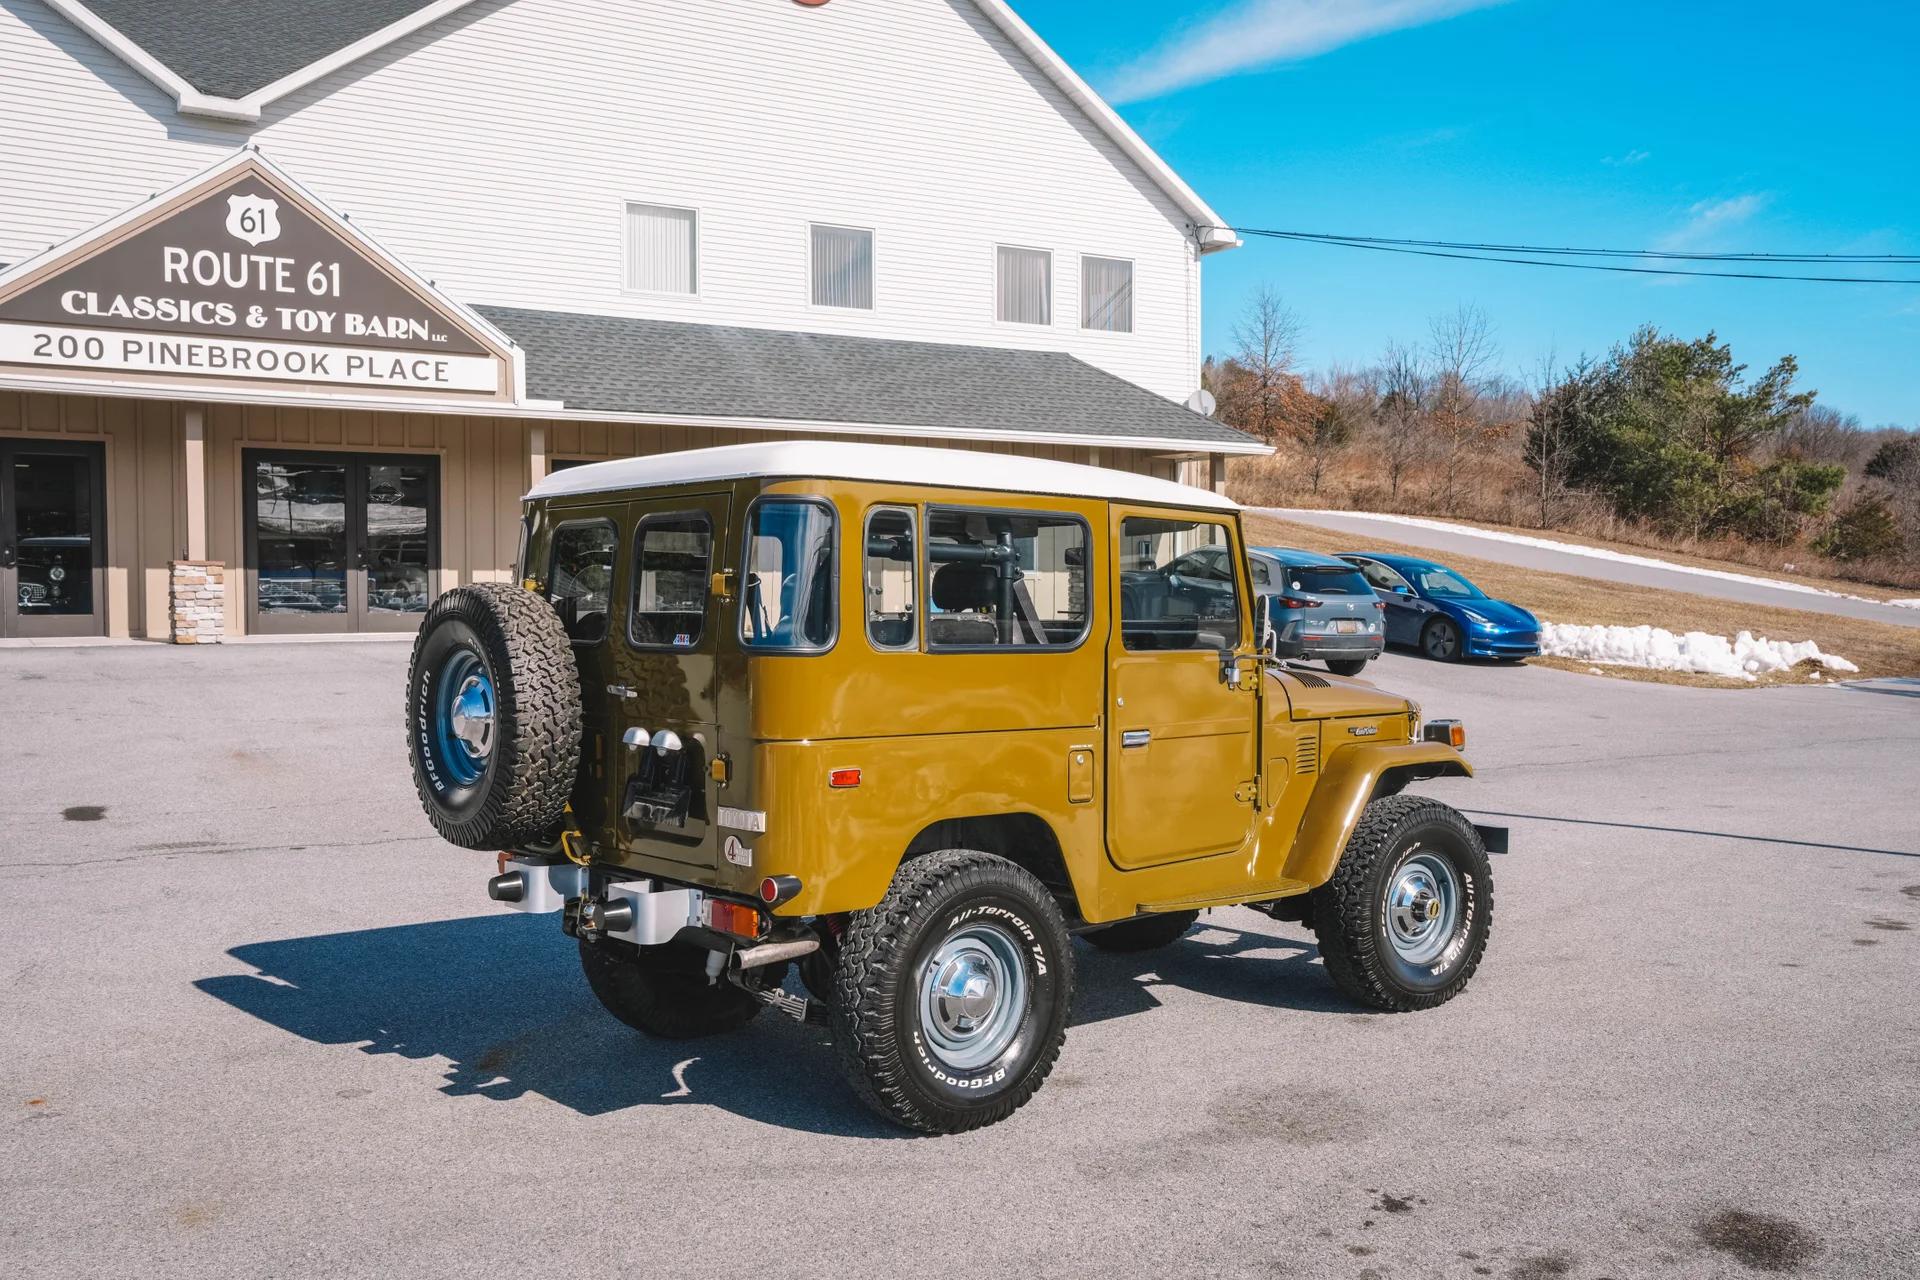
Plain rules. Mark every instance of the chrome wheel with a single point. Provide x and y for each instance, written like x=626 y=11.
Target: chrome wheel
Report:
x=973 y=996
x=1423 y=909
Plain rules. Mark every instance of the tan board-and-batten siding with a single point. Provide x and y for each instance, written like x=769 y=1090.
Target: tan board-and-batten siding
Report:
x=486 y=464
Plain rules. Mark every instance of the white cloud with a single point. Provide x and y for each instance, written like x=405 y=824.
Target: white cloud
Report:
x=1710 y=217
x=1632 y=157
x=1258 y=33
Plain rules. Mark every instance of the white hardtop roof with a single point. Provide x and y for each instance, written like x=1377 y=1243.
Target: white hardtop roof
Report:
x=893 y=464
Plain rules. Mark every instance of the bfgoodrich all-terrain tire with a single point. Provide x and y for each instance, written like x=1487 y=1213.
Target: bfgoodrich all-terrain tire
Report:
x=952 y=995
x=1404 y=920
x=664 y=990
x=493 y=716
x=1143 y=933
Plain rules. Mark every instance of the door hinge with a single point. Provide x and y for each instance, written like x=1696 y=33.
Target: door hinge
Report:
x=1247 y=792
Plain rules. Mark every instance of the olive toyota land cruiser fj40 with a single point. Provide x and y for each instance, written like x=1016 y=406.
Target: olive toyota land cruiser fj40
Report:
x=913 y=719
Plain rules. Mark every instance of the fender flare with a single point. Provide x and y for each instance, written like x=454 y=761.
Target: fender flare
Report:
x=1352 y=777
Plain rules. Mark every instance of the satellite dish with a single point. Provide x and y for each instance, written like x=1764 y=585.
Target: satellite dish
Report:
x=1201 y=402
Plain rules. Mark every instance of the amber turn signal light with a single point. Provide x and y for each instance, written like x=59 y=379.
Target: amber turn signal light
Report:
x=1447 y=732
x=844 y=778
x=731 y=917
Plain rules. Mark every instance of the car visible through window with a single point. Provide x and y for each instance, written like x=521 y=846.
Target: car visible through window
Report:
x=1175 y=594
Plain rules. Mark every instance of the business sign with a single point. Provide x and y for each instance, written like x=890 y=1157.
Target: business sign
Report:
x=243 y=279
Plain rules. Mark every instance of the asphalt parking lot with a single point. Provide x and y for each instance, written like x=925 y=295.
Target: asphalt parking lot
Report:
x=259 y=1022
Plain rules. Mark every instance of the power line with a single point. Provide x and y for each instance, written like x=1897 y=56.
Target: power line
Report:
x=1473 y=252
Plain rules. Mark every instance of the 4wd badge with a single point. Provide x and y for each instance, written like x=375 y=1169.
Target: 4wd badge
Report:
x=253 y=219
x=737 y=853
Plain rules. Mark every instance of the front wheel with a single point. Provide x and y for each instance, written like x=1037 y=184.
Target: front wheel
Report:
x=1440 y=640
x=1346 y=666
x=1404 y=920
x=951 y=996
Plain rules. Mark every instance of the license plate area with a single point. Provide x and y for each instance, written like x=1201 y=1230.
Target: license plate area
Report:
x=1346 y=627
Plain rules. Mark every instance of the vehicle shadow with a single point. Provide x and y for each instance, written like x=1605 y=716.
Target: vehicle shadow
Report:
x=1218 y=960
x=500 y=998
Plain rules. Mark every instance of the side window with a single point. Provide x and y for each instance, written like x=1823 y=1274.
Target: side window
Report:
x=1378 y=575
x=1005 y=578
x=1176 y=585
x=890 y=559
x=787 y=601
x=1261 y=577
x=580 y=581
x=672 y=570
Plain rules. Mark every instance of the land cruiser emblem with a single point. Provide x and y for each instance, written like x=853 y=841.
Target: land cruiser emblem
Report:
x=1364 y=730
x=253 y=219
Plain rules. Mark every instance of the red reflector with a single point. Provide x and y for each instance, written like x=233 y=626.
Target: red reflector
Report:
x=731 y=917
x=769 y=890
x=844 y=778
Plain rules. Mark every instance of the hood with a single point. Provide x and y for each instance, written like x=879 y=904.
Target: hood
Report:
x=1500 y=613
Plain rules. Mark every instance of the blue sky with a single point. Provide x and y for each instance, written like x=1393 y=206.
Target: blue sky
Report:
x=1696 y=124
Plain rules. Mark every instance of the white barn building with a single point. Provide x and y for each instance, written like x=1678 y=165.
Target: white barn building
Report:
x=314 y=293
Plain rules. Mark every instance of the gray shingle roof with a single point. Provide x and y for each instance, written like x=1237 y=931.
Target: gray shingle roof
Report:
x=229 y=48
x=615 y=364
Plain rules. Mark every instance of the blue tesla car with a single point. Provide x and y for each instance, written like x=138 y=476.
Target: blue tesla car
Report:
x=1437 y=611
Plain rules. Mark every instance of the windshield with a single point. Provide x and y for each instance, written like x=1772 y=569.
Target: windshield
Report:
x=1327 y=580
x=1443 y=584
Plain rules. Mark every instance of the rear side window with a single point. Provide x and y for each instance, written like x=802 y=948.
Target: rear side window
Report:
x=787 y=601
x=1005 y=578
x=890 y=559
x=1176 y=585
x=1382 y=577
x=580 y=580
x=1326 y=580
x=672 y=569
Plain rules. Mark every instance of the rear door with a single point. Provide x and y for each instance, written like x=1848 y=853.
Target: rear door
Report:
x=583 y=563
x=1181 y=735
x=662 y=678
x=1404 y=609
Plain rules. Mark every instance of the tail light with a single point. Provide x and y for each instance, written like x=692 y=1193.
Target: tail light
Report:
x=1300 y=602
x=730 y=917
x=1379 y=604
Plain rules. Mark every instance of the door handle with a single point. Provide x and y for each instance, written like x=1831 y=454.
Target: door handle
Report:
x=1136 y=737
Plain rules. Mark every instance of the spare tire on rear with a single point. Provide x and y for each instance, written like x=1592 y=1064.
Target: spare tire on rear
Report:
x=493 y=717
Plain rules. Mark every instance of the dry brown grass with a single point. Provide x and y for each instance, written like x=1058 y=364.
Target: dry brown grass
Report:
x=1877 y=648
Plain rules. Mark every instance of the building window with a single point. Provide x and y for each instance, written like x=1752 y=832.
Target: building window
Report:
x=1025 y=286
x=661 y=250
x=843 y=267
x=1106 y=294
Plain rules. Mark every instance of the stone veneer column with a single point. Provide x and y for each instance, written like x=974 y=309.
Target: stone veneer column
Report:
x=197 y=601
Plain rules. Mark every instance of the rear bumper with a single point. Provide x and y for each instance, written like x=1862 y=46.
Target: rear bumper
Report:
x=1340 y=646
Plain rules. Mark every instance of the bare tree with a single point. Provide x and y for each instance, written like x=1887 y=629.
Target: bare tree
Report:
x=1400 y=410
x=1339 y=401
x=1462 y=350
x=1562 y=400
x=1264 y=396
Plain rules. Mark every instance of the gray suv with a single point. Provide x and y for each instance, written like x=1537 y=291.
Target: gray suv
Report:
x=1314 y=606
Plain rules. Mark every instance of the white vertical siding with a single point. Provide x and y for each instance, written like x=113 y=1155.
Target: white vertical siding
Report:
x=497 y=151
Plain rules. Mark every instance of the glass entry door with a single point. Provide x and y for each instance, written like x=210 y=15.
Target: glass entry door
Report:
x=53 y=545
x=340 y=541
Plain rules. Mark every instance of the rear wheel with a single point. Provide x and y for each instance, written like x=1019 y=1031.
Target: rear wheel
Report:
x=951 y=997
x=1346 y=666
x=1143 y=933
x=1440 y=640
x=664 y=990
x=1404 y=920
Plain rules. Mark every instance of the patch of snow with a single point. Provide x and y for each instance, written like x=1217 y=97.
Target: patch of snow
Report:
x=1743 y=658
x=1592 y=553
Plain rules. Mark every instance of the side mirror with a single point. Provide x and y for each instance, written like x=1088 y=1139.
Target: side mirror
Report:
x=1403 y=591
